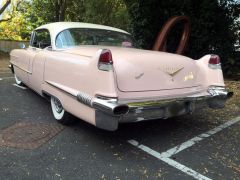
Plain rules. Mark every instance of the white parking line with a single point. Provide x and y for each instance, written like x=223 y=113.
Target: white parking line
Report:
x=165 y=156
x=198 y=138
x=19 y=86
x=1 y=79
x=169 y=161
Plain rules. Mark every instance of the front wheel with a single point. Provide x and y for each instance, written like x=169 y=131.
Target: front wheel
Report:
x=17 y=80
x=59 y=113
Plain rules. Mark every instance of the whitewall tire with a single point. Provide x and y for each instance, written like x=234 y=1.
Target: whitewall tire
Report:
x=17 y=80
x=59 y=113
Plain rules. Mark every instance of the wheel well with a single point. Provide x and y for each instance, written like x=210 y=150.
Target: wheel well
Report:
x=46 y=95
x=11 y=67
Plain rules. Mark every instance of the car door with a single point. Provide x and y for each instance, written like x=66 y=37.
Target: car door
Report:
x=40 y=45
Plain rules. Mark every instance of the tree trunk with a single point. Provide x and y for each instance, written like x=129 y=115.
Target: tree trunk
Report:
x=60 y=9
x=56 y=8
x=5 y=6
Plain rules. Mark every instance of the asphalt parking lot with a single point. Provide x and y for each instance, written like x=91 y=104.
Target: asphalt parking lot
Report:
x=186 y=147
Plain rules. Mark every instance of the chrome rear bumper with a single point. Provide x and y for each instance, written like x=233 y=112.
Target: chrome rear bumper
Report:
x=163 y=109
x=110 y=111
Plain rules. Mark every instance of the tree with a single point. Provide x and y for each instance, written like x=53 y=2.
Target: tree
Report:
x=212 y=24
x=3 y=8
x=106 y=12
x=60 y=9
x=15 y=28
x=5 y=5
x=31 y=14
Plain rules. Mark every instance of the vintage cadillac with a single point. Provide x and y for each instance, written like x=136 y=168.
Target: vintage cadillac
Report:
x=94 y=73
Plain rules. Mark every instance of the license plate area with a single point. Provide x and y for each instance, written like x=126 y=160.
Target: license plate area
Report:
x=159 y=112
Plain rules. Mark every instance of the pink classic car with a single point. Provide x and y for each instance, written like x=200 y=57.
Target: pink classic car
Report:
x=94 y=73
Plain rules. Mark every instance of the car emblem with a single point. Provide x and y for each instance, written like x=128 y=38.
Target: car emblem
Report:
x=172 y=71
x=189 y=76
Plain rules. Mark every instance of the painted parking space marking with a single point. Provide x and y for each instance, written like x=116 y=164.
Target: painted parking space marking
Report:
x=198 y=138
x=1 y=79
x=165 y=156
x=21 y=87
x=169 y=161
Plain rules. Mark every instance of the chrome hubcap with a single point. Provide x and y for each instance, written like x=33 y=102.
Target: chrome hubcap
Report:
x=58 y=105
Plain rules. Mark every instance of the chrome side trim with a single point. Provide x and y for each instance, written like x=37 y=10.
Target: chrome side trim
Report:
x=109 y=106
x=84 y=98
x=21 y=68
x=67 y=90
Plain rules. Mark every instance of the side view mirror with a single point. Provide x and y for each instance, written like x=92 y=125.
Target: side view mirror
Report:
x=22 y=46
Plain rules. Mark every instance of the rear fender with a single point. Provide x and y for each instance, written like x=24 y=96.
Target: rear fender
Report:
x=207 y=76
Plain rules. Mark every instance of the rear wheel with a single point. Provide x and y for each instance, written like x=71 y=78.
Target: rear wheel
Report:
x=59 y=113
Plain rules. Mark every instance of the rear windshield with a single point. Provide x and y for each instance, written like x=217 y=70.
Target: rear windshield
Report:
x=85 y=36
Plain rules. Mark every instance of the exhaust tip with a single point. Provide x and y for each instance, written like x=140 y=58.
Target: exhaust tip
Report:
x=121 y=110
x=229 y=94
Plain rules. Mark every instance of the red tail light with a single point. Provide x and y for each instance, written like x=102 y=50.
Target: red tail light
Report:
x=105 y=60
x=214 y=59
x=106 y=57
x=214 y=62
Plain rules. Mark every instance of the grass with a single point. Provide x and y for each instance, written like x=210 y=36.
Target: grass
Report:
x=234 y=86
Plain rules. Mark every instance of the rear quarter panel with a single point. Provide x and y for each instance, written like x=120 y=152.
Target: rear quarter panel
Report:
x=76 y=73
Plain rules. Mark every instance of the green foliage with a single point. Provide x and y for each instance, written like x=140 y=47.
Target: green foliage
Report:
x=16 y=28
x=38 y=12
x=107 y=12
x=31 y=14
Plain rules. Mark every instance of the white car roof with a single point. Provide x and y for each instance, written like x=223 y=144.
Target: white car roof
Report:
x=57 y=27
x=60 y=26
